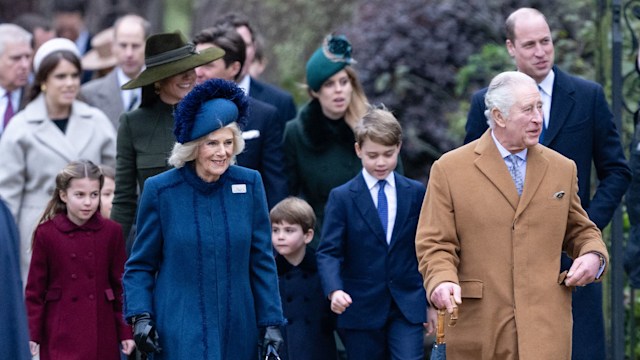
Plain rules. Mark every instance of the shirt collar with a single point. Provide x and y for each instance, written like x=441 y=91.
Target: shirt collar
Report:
x=547 y=84
x=372 y=181
x=522 y=155
x=245 y=83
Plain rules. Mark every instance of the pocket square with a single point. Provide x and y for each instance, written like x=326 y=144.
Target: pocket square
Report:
x=250 y=134
x=559 y=195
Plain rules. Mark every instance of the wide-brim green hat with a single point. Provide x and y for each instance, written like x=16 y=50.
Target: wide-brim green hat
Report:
x=169 y=54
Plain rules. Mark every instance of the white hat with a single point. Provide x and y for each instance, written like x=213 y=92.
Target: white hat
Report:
x=55 y=44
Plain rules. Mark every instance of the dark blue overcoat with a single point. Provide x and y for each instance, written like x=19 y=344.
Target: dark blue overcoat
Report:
x=202 y=264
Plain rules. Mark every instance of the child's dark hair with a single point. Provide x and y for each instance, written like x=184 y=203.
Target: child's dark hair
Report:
x=379 y=125
x=294 y=211
x=74 y=170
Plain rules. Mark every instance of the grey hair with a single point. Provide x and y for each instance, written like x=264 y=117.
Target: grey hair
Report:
x=500 y=93
x=11 y=33
x=183 y=153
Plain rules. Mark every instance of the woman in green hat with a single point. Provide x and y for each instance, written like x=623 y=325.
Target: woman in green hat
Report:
x=145 y=135
x=319 y=143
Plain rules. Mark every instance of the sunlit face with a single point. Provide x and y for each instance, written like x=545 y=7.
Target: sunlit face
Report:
x=82 y=198
x=335 y=95
x=532 y=48
x=216 y=69
x=289 y=240
x=522 y=128
x=15 y=65
x=128 y=47
x=215 y=153
x=377 y=159
x=62 y=84
x=245 y=33
x=106 y=197
x=174 y=88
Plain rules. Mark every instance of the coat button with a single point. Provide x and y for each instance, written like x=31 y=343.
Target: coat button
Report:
x=74 y=276
x=91 y=297
x=90 y=254
x=74 y=298
x=289 y=299
x=73 y=255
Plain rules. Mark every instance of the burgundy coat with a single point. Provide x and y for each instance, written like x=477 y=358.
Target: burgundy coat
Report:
x=74 y=289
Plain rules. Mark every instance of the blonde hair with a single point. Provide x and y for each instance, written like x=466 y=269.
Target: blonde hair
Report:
x=183 y=153
x=294 y=211
x=74 y=170
x=379 y=125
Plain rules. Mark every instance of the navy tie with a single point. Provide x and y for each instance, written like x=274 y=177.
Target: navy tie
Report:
x=383 y=212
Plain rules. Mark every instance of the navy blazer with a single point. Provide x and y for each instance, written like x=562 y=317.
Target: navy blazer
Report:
x=354 y=256
x=581 y=128
x=275 y=96
x=263 y=149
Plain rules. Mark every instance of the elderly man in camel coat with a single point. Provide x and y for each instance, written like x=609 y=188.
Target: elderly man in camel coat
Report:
x=492 y=229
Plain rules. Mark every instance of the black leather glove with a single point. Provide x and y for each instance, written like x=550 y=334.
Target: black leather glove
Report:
x=145 y=334
x=272 y=338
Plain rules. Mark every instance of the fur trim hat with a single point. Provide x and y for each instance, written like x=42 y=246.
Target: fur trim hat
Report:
x=169 y=54
x=207 y=108
x=51 y=46
x=330 y=58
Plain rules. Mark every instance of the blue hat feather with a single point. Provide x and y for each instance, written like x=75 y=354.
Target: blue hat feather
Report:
x=208 y=107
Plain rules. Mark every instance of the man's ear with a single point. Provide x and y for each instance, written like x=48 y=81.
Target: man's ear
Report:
x=510 y=47
x=498 y=117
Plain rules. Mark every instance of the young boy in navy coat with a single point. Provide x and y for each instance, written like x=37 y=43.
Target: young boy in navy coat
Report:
x=366 y=257
x=309 y=331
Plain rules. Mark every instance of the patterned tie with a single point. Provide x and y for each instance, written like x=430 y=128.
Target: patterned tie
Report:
x=8 y=113
x=544 y=125
x=382 y=206
x=516 y=175
x=133 y=103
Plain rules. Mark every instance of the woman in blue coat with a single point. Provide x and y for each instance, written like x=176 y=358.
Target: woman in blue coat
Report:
x=201 y=282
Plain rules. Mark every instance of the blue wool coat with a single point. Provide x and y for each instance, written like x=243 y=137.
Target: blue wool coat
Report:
x=202 y=264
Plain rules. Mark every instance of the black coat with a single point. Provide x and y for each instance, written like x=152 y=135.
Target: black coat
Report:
x=309 y=331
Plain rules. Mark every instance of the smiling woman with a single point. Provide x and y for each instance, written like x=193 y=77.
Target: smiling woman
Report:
x=53 y=129
x=204 y=242
x=144 y=135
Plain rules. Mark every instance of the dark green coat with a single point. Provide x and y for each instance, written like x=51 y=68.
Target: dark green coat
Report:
x=145 y=140
x=319 y=155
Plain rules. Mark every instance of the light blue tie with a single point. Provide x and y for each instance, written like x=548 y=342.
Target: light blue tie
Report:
x=383 y=212
x=516 y=175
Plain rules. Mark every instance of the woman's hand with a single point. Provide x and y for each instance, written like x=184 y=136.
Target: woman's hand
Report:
x=128 y=346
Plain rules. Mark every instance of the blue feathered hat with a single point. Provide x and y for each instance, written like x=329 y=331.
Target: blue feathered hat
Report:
x=208 y=107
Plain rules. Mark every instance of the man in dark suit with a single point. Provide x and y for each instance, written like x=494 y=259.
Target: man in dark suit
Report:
x=259 y=90
x=263 y=132
x=579 y=125
x=130 y=32
x=15 y=67
x=68 y=20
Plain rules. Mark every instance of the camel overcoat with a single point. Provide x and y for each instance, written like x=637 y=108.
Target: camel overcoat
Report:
x=34 y=150
x=504 y=250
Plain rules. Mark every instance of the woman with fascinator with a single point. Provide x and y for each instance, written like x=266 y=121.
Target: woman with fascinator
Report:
x=201 y=280
x=319 y=143
x=144 y=135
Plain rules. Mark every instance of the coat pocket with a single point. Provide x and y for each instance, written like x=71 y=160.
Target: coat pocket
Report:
x=471 y=289
x=53 y=294
x=109 y=295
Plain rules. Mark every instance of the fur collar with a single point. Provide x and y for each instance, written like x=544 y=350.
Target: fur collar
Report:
x=321 y=131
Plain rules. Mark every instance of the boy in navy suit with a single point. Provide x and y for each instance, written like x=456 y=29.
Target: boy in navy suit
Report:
x=309 y=331
x=366 y=257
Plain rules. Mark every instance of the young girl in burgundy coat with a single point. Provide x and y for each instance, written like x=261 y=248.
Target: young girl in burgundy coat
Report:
x=74 y=288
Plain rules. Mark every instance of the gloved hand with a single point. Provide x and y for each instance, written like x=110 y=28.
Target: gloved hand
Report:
x=145 y=334
x=273 y=337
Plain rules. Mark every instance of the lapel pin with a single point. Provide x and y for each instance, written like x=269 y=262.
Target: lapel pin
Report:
x=239 y=188
x=559 y=195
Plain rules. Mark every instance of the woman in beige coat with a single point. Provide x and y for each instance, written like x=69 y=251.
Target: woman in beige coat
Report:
x=51 y=131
